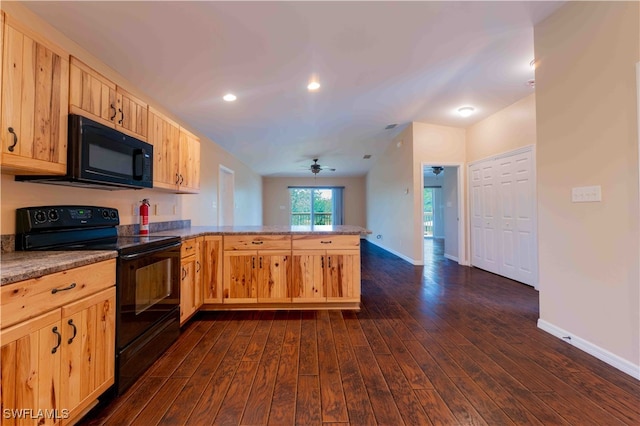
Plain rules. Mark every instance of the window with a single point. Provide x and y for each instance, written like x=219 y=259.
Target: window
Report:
x=316 y=205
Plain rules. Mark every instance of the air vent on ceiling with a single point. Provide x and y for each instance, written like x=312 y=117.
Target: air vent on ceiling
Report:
x=367 y=156
x=390 y=126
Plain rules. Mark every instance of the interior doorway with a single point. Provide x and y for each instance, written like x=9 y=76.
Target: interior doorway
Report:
x=226 y=188
x=443 y=208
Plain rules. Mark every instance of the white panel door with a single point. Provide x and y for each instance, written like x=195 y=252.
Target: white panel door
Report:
x=503 y=209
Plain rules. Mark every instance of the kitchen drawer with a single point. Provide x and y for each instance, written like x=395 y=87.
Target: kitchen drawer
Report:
x=326 y=242
x=30 y=298
x=189 y=247
x=257 y=242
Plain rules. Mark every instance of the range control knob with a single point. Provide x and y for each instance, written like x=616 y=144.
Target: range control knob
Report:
x=53 y=215
x=114 y=214
x=39 y=216
x=105 y=214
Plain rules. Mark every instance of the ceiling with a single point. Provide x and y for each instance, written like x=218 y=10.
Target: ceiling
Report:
x=378 y=63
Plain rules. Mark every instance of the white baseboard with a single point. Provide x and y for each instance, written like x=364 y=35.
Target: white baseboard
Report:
x=400 y=255
x=450 y=257
x=592 y=349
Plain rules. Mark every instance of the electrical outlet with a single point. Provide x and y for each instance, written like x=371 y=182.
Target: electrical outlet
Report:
x=135 y=209
x=586 y=194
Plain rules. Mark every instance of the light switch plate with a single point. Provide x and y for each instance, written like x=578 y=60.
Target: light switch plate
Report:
x=586 y=194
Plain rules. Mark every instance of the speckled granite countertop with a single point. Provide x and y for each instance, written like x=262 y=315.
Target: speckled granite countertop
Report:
x=196 y=231
x=23 y=265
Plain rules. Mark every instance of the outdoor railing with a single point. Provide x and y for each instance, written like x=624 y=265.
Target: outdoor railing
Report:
x=427 y=219
x=304 y=218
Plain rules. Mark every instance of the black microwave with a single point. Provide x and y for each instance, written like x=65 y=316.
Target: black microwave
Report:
x=101 y=157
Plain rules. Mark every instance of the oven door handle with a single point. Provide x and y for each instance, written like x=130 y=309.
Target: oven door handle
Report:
x=148 y=252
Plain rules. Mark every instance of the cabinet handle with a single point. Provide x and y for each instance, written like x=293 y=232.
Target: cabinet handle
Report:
x=322 y=261
x=184 y=273
x=181 y=179
x=253 y=262
x=113 y=117
x=121 y=116
x=55 y=290
x=325 y=242
x=57 y=333
x=329 y=260
x=75 y=331
x=177 y=179
x=15 y=139
x=260 y=262
x=257 y=242
x=197 y=266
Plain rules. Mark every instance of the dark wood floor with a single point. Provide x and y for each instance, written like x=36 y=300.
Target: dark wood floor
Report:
x=440 y=344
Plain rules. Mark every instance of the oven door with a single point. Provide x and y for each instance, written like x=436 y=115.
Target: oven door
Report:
x=148 y=290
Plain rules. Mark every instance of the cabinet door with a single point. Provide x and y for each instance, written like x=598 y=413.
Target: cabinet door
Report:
x=342 y=277
x=187 y=291
x=240 y=276
x=131 y=117
x=88 y=350
x=189 y=173
x=164 y=135
x=273 y=276
x=307 y=284
x=91 y=94
x=35 y=92
x=211 y=256
x=198 y=291
x=30 y=380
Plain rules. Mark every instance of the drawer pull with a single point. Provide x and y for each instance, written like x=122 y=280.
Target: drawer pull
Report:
x=325 y=242
x=57 y=333
x=15 y=139
x=55 y=290
x=257 y=242
x=75 y=331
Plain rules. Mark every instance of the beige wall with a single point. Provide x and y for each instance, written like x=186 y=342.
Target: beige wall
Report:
x=390 y=193
x=433 y=145
x=587 y=135
x=509 y=129
x=275 y=195
x=199 y=208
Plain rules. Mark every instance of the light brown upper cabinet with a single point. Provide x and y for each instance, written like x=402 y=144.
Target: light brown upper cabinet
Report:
x=189 y=171
x=96 y=97
x=176 y=155
x=35 y=91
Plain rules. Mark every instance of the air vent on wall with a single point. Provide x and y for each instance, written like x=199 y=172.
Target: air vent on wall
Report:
x=390 y=126
x=367 y=156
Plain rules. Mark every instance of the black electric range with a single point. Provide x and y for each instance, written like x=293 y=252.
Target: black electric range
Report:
x=147 y=277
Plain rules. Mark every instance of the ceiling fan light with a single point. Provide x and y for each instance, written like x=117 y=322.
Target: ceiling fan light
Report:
x=466 y=111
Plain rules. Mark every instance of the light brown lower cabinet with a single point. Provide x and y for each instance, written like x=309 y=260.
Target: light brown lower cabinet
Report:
x=191 y=292
x=56 y=365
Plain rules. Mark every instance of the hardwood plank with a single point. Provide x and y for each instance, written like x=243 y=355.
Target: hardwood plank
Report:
x=356 y=335
x=382 y=401
x=236 y=397
x=137 y=401
x=358 y=404
x=155 y=409
x=487 y=408
x=308 y=345
x=435 y=407
x=308 y=400
x=259 y=337
x=283 y=405
x=334 y=407
x=200 y=350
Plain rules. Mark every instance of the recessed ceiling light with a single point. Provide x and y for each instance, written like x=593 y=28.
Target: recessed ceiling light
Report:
x=466 y=111
x=229 y=97
x=313 y=86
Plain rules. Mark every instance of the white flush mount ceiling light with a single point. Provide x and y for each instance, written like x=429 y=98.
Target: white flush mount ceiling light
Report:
x=313 y=86
x=229 y=97
x=466 y=111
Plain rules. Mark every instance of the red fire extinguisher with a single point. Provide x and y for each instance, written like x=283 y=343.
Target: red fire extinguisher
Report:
x=144 y=217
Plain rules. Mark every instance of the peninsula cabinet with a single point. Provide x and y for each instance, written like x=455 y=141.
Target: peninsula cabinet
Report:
x=58 y=344
x=191 y=293
x=211 y=256
x=35 y=91
x=96 y=97
x=326 y=268
x=256 y=268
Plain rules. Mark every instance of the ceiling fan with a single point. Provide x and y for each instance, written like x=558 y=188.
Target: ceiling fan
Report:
x=317 y=168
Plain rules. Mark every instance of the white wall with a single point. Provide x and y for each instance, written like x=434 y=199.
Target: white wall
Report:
x=276 y=201
x=450 y=207
x=587 y=129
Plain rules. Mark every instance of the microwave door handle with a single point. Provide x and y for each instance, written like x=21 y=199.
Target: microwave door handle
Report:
x=138 y=164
